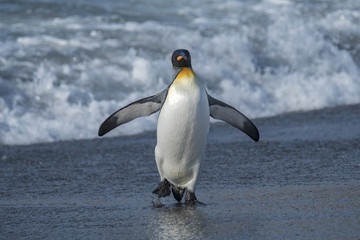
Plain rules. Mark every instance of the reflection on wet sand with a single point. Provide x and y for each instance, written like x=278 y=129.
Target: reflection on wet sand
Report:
x=178 y=222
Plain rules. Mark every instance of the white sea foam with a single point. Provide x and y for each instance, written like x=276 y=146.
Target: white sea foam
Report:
x=62 y=74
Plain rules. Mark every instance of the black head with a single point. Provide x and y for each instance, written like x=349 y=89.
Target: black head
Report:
x=181 y=58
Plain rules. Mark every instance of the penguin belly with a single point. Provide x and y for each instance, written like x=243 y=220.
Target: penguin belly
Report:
x=182 y=130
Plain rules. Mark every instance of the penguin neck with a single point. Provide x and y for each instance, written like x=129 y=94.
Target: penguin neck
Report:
x=185 y=79
x=183 y=72
x=186 y=73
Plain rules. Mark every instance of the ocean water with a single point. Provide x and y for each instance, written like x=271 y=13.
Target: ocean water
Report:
x=66 y=65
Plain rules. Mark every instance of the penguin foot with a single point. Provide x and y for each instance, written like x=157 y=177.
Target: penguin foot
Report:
x=163 y=190
x=190 y=199
x=178 y=193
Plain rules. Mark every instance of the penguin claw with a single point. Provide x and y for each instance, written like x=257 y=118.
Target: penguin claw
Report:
x=163 y=189
x=191 y=200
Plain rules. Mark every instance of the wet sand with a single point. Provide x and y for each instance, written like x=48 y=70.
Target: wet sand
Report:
x=301 y=181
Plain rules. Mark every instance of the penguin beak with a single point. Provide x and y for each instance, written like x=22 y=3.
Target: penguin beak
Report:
x=180 y=57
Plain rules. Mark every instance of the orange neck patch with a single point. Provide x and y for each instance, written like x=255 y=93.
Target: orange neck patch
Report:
x=186 y=73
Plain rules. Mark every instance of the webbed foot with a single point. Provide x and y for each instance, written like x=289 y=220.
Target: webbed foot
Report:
x=163 y=190
x=190 y=198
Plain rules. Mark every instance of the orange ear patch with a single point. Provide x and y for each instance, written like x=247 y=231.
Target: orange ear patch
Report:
x=179 y=58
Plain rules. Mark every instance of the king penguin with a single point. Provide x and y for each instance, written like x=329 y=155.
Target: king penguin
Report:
x=182 y=128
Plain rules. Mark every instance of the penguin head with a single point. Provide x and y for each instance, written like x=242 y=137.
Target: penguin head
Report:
x=181 y=58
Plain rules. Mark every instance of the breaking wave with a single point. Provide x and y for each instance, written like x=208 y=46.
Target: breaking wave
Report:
x=64 y=66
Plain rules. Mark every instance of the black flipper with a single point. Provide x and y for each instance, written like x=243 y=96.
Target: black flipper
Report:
x=178 y=193
x=140 y=108
x=222 y=111
x=163 y=189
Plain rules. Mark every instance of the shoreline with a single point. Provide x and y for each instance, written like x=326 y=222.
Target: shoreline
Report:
x=298 y=116
x=300 y=181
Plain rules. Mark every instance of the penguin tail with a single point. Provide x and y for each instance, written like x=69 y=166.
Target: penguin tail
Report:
x=178 y=193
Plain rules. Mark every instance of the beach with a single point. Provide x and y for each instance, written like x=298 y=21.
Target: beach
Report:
x=290 y=66
x=300 y=181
